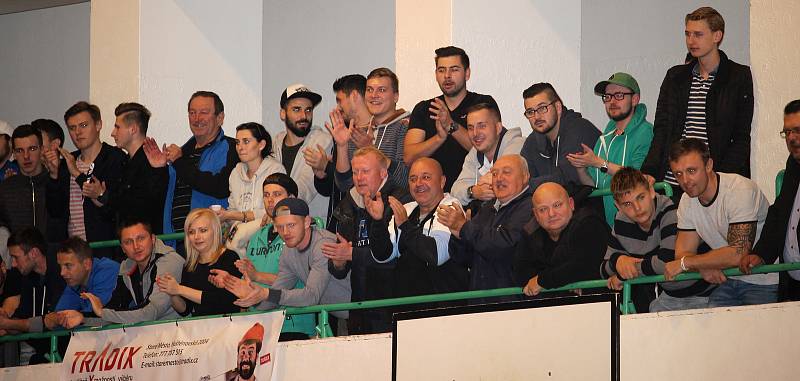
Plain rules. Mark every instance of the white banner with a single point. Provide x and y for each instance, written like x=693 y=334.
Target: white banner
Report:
x=235 y=348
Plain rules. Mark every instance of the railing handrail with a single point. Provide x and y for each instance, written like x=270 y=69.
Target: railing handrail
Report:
x=393 y=302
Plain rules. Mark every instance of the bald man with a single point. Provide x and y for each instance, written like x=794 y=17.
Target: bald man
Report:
x=416 y=238
x=487 y=242
x=568 y=246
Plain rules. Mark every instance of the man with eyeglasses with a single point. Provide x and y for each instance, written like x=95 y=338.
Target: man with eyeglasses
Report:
x=568 y=246
x=22 y=197
x=8 y=167
x=779 y=237
x=624 y=142
x=710 y=98
x=557 y=131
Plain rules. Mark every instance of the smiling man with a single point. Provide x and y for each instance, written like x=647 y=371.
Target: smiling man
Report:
x=490 y=141
x=567 y=247
x=709 y=98
x=727 y=212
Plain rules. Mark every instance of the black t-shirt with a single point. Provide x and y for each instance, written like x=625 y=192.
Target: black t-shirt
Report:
x=288 y=155
x=450 y=154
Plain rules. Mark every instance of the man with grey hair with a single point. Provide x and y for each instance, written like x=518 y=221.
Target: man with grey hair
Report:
x=487 y=242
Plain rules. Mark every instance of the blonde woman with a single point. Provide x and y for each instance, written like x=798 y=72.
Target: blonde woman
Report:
x=205 y=251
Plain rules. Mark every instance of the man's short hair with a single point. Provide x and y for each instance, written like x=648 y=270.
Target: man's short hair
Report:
x=792 y=107
x=50 y=128
x=350 y=83
x=386 y=72
x=80 y=107
x=250 y=342
x=133 y=220
x=24 y=131
x=542 y=87
x=134 y=113
x=711 y=16
x=626 y=180
x=77 y=246
x=27 y=239
x=686 y=146
x=218 y=105
x=485 y=106
x=371 y=150
x=450 y=51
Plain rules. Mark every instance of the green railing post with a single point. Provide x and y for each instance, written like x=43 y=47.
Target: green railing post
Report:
x=54 y=356
x=626 y=298
x=324 y=327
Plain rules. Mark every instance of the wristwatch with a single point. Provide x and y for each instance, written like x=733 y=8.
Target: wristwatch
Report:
x=469 y=192
x=604 y=167
x=453 y=128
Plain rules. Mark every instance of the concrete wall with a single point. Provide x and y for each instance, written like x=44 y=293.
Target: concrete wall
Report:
x=44 y=61
x=517 y=45
x=315 y=42
x=190 y=45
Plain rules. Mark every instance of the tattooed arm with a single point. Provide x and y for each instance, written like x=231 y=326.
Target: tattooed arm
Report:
x=741 y=237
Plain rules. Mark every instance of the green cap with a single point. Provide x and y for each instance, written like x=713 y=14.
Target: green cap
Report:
x=622 y=79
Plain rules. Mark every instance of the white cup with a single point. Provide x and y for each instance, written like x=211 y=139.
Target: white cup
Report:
x=216 y=207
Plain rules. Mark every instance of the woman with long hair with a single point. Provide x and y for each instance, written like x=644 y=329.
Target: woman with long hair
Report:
x=194 y=294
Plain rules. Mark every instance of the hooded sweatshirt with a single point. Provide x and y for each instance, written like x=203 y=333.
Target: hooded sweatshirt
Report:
x=628 y=150
x=510 y=143
x=300 y=172
x=246 y=192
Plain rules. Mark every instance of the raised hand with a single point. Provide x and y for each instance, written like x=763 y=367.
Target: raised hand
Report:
x=155 y=156
x=51 y=162
x=316 y=158
x=70 y=160
x=337 y=128
x=584 y=159
x=399 y=211
x=441 y=114
x=374 y=206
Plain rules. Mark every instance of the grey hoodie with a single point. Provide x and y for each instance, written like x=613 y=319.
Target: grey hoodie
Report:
x=510 y=143
x=159 y=306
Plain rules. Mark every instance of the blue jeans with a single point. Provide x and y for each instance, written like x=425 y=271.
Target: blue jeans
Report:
x=665 y=302
x=735 y=292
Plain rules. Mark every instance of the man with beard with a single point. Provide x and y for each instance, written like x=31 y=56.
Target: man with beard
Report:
x=297 y=113
x=727 y=212
x=79 y=181
x=557 y=131
x=386 y=130
x=350 y=91
x=438 y=126
x=779 y=237
x=247 y=355
x=624 y=142
x=199 y=171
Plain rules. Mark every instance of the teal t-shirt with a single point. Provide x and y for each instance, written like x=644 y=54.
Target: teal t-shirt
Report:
x=264 y=251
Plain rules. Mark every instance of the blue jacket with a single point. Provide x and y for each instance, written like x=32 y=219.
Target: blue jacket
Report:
x=215 y=166
x=102 y=280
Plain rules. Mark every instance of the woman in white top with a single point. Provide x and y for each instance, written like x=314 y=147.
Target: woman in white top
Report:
x=254 y=147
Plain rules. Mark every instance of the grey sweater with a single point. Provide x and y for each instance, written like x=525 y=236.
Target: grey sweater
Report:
x=310 y=267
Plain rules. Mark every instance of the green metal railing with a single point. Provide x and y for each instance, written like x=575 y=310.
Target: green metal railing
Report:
x=324 y=329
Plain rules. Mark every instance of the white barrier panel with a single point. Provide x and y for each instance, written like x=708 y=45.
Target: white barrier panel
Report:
x=208 y=349
x=456 y=344
x=31 y=372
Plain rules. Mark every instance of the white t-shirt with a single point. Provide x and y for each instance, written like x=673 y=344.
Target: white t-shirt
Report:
x=738 y=200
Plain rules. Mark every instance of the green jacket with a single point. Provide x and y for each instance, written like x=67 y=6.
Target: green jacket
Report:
x=627 y=150
x=266 y=255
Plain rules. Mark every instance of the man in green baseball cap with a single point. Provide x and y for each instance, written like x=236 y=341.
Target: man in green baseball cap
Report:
x=624 y=142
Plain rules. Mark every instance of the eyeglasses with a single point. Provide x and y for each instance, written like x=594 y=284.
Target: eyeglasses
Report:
x=31 y=149
x=617 y=96
x=541 y=110
x=789 y=132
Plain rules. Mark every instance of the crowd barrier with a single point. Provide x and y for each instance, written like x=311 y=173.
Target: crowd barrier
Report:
x=324 y=329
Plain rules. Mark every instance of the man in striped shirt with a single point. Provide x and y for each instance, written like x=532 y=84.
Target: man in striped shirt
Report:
x=642 y=241
x=709 y=98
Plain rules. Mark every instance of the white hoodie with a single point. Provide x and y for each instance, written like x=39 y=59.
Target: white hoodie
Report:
x=300 y=172
x=246 y=193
